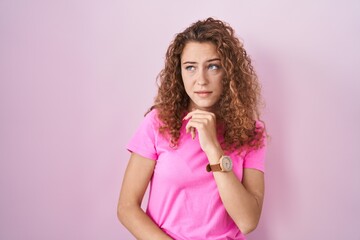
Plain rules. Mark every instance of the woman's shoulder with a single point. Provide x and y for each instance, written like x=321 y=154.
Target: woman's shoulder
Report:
x=259 y=125
x=261 y=132
x=152 y=115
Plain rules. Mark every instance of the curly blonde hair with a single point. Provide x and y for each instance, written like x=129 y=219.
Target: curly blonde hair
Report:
x=238 y=106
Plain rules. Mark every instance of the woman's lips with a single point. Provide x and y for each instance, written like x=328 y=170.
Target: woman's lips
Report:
x=203 y=93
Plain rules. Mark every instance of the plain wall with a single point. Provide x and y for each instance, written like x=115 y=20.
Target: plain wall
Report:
x=77 y=76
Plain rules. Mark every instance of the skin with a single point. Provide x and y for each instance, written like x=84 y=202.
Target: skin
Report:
x=202 y=76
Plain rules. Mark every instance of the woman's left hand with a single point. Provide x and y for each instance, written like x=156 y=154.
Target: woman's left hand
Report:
x=205 y=124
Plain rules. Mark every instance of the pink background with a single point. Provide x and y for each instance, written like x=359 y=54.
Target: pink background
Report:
x=76 y=77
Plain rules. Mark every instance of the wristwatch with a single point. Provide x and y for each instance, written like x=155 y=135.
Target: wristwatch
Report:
x=225 y=165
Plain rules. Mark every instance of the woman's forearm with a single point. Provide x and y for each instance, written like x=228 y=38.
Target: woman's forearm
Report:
x=140 y=224
x=243 y=203
x=243 y=206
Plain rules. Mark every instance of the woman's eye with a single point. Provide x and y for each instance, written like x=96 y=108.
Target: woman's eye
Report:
x=190 y=68
x=214 y=67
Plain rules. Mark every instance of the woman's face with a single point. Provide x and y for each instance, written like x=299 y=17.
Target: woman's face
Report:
x=202 y=75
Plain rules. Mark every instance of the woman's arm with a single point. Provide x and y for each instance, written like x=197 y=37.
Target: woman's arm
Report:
x=136 y=179
x=242 y=200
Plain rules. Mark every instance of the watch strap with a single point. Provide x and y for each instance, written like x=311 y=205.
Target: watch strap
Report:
x=213 y=167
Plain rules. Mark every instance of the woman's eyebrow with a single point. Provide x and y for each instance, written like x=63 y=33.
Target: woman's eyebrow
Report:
x=210 y=60
x=213 y=59
x=189 y=62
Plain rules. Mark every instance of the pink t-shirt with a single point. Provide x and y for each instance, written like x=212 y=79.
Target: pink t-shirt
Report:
x=184 y=200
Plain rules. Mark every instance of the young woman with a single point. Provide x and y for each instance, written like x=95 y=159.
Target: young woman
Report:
x=201 y=146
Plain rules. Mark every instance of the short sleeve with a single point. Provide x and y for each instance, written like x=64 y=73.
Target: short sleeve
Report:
x=256 y=158
x=143 y=142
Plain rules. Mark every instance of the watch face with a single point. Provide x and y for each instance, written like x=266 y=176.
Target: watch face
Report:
x=226 y=163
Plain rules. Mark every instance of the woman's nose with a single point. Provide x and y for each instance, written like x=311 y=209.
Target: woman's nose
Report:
x=201 y=79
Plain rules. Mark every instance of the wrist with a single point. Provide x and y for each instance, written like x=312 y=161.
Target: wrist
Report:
x=214 y=154
x=225 y=165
